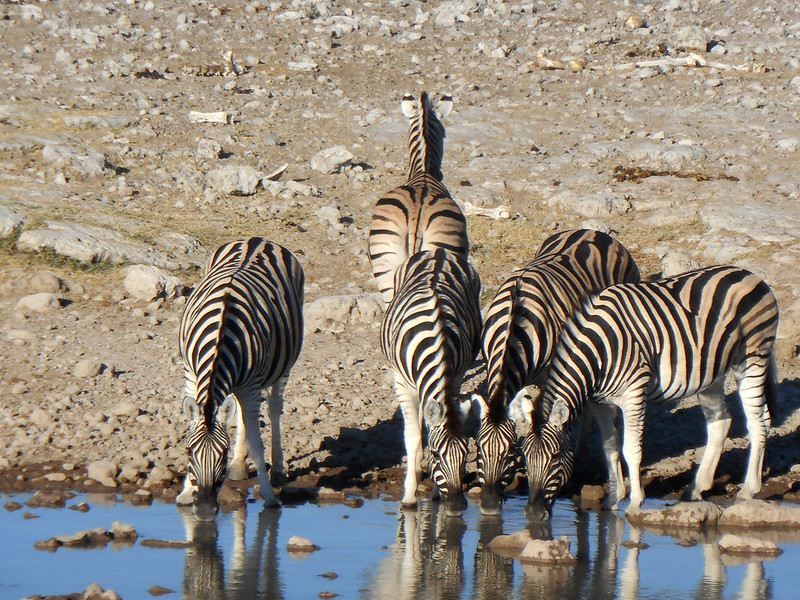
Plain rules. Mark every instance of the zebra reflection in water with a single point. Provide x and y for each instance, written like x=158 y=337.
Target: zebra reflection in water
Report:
x=253 y=568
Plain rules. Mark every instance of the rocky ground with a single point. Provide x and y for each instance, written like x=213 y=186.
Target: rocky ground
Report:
x=129 y=150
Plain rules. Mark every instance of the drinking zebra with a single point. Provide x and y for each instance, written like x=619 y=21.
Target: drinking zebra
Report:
x=241 y=332
x=520 y=332
x=430 y=335
x=419 y=215
x=662 y=340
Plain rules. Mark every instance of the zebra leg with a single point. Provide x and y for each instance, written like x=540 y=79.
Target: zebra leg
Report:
x=752 y=391
x=250 y=406
x=633 y=419
x=409 y=405
x=238 y=467
x=718 y=423
x=605 y=415
x=275 y=406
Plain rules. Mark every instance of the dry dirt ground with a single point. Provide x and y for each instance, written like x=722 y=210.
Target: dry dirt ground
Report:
x=673 y=124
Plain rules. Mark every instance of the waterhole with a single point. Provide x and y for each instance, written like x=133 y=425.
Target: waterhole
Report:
x=375 y=551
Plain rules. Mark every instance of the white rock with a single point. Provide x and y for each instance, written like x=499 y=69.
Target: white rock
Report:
x=43 y=302
x=103 y=472
x=46 y=281
x=760 y=513
x=690 y=39
x=682 y=514
x=331 y=160
x=86 y=162
x=298 y=543
x=90 y=244
x=147 y=283
x=791 y=144
x=591 y=205
x=332 y=313
x=208 y=148
x=234 y=179
x=675 y=263
x=87 y=368
x=10 y=221
x=738 y=544
x=159 y=475
x=547 y=551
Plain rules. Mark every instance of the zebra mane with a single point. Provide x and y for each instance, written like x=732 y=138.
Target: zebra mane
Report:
x=426 y=137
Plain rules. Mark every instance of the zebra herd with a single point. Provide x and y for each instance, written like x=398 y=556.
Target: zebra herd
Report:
x=574 y=329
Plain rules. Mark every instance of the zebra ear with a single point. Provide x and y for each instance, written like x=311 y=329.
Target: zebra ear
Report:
x=479 y=406
x=444 y=106
x=521 y=412
x=559 y=413
x=433 y=413
x=190 y=409
x=409 y=105
x=227 y=410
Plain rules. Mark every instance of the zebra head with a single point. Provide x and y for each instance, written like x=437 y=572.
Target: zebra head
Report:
x=498 y=456
x=448 y=446
x=547 y=452
x=207 y=444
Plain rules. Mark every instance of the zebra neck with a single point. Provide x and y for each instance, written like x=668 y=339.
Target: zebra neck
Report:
x=426 y=143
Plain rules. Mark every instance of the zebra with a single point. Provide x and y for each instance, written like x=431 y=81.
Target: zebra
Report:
x=661 y=340
x=430 y=336
x=520 y=331
x=421 y=214
x=241 y=332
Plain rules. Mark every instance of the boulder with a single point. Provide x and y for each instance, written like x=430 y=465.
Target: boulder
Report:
x=89 y=244
x=40 y=303
x=682 y=514
x=547 y=551
x=238 y=180
x=10 y=221
x=103 y=472
x=745 y=545
x=331 y=160
x=146 y=282
x=760 y=513
x=299 y=544
x=87 y=368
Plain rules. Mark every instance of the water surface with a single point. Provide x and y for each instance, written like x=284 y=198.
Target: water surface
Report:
x=375 y=551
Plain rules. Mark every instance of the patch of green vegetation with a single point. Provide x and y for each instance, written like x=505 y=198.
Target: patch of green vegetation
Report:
x=8 y=244
x=54 y=260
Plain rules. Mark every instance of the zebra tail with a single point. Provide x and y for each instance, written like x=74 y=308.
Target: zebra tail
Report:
x=771 y=391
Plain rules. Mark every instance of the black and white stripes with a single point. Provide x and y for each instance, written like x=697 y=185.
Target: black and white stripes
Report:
x=430 y=335
x=520 y=332
x=661 y=340
x=241 y=332
x=419 y=215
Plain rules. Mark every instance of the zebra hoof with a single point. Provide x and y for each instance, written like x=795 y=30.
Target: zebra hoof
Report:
x=409 y=505
x=237 y=472
x=272 y=502
x=278 y=478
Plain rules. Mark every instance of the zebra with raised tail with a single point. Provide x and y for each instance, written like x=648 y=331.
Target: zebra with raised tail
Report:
x=419 y=215
x=662 y=340
x=430 y=335
x=241 y=332
x=520 y=331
